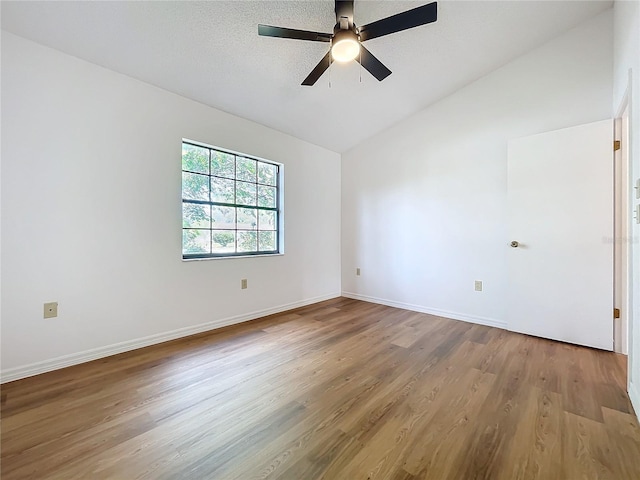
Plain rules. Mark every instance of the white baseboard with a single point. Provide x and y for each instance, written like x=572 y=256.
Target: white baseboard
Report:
x=634 y=396
x=490 y=322
x=37 y=368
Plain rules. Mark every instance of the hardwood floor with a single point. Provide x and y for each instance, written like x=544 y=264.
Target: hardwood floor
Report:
x=337 y=390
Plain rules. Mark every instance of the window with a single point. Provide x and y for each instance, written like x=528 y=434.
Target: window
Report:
x=230 y=204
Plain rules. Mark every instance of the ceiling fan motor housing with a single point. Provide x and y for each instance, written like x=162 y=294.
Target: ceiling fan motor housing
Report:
x=340 y=35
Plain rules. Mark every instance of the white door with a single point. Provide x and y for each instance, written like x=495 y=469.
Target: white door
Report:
x=560 y=202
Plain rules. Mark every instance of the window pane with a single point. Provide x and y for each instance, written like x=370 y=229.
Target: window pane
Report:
x=267 y=241
x=266 y=196
x=195 y=159
x=223 y=164
x=242 y=186
x=223 y=217
x=247 y=241
x=247 y=219
x=246 y=169
x=195 y=187
x=267 y=220
x=267 y=173
x=196 y=241
x=221 y=190
x=245 y=193
x=195 y=215
x=223 y=241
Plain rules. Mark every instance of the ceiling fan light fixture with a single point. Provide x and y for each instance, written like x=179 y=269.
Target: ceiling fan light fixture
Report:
x=346 y=40
x=345 y=46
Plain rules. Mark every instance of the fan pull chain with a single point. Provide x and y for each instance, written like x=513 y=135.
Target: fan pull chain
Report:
x=330 y=70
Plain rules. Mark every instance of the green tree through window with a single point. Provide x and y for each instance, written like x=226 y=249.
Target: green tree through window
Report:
x=230 y=203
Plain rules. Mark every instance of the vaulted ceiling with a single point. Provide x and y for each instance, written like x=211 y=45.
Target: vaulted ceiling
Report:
x=211 y=52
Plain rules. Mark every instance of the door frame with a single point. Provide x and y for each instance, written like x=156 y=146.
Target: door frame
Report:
x=622 y=223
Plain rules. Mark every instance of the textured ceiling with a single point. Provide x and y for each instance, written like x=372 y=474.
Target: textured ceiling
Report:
x=211 y=52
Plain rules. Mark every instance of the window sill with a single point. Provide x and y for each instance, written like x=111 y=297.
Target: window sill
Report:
x=232 y=257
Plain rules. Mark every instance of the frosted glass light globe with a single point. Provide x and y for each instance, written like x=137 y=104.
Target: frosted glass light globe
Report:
x=345 y=50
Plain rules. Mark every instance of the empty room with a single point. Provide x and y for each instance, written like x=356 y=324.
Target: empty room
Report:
x=320 y=239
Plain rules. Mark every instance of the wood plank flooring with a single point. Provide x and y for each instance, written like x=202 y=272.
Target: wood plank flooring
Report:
x=337 y=390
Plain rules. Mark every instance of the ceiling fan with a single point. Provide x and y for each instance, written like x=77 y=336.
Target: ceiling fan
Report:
x=346 y=39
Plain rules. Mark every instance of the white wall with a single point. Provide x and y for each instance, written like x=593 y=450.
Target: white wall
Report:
x=91 y=215
x=626 y=76
x=424 y=203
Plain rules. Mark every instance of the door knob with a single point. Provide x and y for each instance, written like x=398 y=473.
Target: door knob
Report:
x=514 y=244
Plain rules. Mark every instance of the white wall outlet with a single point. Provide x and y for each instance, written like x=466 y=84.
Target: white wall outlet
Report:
x=243 y=283
x=358 y=272
x=51 y=310
x=478 y=285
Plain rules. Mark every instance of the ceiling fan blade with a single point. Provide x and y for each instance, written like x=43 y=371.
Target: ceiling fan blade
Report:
x=317 y=72
x=344 y=8
x=402 y=21
x=280 y=32
x=372 y=64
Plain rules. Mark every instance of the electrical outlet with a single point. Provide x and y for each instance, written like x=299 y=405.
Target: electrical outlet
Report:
x=478 y=285
x=51 y=310
x=358 y=272
x=243 y=283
